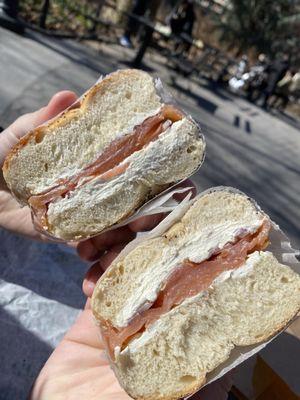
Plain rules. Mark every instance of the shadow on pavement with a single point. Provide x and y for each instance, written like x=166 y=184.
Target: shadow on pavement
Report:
x=49 y=270
x=207 y=105
x=241 y=144
x=236 y=121
x=261 y=176
x=217 y=90
x=237 y=124
x=288 y=119
x=143 y=66
x=75 y=53
x=22 y=356
x=248 y=127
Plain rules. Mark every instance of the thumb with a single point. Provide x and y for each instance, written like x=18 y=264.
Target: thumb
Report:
x=58 y=103
x=24 y=124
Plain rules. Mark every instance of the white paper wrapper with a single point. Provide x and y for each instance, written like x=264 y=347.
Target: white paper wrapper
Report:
x=280 y=247
x=158 y=204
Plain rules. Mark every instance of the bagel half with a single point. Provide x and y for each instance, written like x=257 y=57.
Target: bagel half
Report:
x=173 y=308
x=104 y=157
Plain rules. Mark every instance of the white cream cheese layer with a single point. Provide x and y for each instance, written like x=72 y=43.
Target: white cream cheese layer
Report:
x=164 y=324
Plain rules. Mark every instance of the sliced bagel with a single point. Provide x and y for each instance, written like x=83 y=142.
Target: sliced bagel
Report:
x=172 y=309
x=100 y=160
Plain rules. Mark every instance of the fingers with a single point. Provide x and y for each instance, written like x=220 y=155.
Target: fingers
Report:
x=87 y=304
x=98 y=268
x=92 y=249
x=58 y=103
x=91 y=277
x=10 y=136
x=110 y=255
x=111 y=238
x=146 y=223
x=87 y=251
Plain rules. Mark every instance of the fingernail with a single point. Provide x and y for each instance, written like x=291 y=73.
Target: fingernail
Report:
x=91 y=286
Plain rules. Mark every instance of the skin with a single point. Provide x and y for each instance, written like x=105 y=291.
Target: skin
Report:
x=78 y=367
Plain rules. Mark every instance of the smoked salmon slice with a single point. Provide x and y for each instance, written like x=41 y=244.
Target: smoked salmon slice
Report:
x=106 y=166
x=186 y=281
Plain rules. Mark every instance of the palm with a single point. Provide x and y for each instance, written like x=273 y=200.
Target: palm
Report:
x=78 y=368
x=15 y=218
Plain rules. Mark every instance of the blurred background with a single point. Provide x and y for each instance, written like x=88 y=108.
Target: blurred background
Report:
x=234 y=65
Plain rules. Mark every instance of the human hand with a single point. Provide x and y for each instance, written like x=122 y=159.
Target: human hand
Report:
x=12 y=216
x=78 y=368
